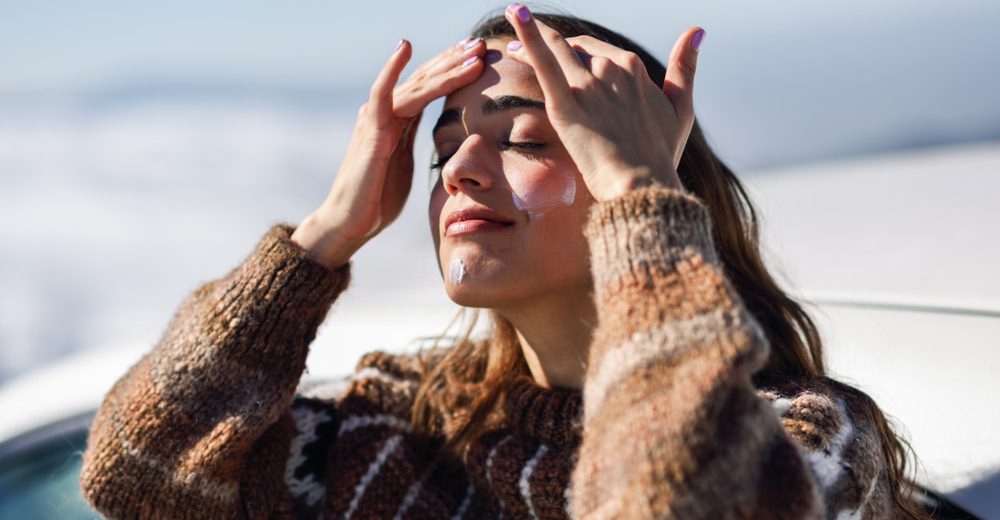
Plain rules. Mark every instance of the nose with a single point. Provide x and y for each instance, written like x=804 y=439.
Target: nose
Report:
x=470 y=169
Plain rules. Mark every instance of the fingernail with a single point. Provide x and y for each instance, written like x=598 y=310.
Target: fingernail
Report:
x=696 y=41
x=512 y=7
x=523 y=13
x=470 y=61
x=399 y=45
x=472 y=43
x=514 y=45
x=465 y=40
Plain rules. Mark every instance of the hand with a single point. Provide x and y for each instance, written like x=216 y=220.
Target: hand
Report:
x=622 y=130
x=374 y=179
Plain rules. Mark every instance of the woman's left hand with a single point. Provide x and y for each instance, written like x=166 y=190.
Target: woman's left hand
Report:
x=622 y=130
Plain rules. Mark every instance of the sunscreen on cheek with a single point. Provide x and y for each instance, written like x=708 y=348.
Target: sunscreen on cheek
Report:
x=539 y=194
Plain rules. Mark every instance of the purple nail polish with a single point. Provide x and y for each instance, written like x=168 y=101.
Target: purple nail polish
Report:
x=472 y=43
x=399 y=45
x=465 y=40
x=523 y=14
x=514 y=45
x=470 y=61
x=511 y=7
x=696 y=41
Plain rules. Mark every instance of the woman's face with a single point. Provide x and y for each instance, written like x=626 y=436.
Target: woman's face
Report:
x=509 y=206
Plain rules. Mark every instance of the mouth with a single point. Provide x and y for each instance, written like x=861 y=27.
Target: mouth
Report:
x=474 y=220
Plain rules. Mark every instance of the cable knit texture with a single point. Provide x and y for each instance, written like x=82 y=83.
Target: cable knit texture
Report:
x=668 y=425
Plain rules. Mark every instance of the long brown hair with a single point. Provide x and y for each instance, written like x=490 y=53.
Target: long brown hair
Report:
x=461 y=397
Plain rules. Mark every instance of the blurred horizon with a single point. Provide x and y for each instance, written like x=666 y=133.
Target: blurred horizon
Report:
x=778 y=82
x=341 y=101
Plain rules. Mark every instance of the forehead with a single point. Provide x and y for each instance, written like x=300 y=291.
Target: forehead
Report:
x=501 y=76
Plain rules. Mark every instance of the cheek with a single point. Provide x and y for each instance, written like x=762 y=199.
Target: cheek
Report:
x=538 y=189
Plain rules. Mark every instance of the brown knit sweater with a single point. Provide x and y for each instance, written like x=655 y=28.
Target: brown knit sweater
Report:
x=668 y=425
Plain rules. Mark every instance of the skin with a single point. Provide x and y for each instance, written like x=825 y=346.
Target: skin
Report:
x=605 y=128
x=535 y=271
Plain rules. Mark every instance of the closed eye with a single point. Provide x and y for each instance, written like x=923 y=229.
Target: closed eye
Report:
x=523 y=145
x=526 y=147
x=439 y=161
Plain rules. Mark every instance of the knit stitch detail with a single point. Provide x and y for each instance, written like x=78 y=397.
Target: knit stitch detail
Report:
x=668 y=423
x=185 y=418
x=551 y=415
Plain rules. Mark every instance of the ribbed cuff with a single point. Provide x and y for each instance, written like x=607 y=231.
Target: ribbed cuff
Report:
x=277 y=298
x=277 y=247
x=648 y=228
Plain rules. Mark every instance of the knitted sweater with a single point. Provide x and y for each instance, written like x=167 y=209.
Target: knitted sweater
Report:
x=668 y=424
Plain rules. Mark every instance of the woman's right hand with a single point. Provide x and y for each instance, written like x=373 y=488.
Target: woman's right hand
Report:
x=374 y=180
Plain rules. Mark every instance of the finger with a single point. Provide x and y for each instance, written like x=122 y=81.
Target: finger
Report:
x=380 y=99
x=449 y=57
x=397 y=185
x=452 y=70
x=547 y=52
x=405 y=143
x=411 y=129
x=678 y=84
x=590 y=47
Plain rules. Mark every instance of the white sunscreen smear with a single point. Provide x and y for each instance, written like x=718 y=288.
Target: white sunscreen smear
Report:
x=456 y=271
x=538 y=200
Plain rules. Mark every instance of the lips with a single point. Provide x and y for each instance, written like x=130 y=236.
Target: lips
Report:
x=473 y=220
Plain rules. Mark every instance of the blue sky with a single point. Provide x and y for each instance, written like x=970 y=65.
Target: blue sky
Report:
x=73 y=44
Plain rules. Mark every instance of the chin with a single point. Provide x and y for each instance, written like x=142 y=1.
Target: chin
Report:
x=486 y=291
x=473 y=277
x=467 y=295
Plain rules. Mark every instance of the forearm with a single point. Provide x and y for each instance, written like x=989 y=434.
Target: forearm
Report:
x=184 y=418
x=672 y=424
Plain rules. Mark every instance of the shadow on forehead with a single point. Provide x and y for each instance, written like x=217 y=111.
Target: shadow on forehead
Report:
x=492 y=56
x=497 y=65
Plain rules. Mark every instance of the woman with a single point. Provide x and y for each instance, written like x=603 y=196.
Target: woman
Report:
x=642 y=364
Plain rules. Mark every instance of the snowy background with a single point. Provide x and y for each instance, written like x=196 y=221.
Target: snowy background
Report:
x=145 y=148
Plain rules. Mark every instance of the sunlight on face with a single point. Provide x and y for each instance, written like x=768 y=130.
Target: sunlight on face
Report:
x=508 y=210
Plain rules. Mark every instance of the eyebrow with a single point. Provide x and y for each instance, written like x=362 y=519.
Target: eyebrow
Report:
x=490 y=106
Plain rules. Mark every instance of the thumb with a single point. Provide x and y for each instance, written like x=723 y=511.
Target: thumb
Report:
x=408 y=135
x=678 y=84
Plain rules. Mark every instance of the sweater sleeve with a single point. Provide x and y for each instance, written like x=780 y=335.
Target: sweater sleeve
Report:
x=673 y=427
x=186 y=432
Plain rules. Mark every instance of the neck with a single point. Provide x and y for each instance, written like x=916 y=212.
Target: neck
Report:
x=555 y=334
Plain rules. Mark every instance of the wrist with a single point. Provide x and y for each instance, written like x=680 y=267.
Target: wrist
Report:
x=623 y=183
x=323 y=243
